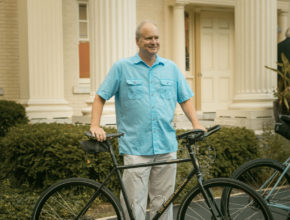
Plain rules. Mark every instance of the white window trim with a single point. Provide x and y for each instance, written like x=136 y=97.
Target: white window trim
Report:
x=83 y=85
x=83 y=2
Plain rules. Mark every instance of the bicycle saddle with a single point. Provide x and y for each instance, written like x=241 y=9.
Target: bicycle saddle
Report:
x=94 y=146
x=285 y=118
x=283 y=127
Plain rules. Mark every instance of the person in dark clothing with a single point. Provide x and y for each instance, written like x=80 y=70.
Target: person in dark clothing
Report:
x=283 y=47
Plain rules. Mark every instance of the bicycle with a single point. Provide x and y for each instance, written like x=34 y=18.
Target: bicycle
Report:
x=270 y=178
x=81 y=198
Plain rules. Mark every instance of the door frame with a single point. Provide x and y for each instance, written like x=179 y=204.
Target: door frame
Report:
x=195 y=48
x=197 y=60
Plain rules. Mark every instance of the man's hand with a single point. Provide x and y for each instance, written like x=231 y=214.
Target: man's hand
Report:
x=98 y=133
x=199 y=126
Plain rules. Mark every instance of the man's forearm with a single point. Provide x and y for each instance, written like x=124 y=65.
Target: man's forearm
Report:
x=97 y=110
x=190 y=112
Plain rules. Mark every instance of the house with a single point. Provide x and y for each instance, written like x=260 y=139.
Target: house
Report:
x=55 y=53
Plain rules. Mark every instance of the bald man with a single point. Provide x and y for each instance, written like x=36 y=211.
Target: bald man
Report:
x=147 y=88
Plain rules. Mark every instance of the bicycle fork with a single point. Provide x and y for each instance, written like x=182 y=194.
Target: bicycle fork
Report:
x=210 y=201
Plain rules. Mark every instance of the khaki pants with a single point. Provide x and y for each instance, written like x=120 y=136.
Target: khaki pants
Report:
x=156 y=181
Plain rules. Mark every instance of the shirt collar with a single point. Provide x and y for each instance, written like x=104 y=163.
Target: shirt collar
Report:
x=137 y=59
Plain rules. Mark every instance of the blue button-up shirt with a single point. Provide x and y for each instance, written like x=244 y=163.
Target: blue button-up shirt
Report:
x=145 y=101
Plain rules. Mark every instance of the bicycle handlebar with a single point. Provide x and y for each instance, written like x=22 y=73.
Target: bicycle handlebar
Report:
x=193 y=134
x=198 y=134
x=212 y=130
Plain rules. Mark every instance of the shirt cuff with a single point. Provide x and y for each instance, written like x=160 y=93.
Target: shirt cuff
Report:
x=185 y=98
x=103 y=95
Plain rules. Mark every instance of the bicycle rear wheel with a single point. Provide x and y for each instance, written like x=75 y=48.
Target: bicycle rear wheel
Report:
x=242 y=202
x=67 y=198
x=262 y=175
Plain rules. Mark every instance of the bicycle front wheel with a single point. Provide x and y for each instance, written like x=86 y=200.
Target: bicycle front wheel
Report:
x=262 y=175
x=76 y=198
x=242 y=202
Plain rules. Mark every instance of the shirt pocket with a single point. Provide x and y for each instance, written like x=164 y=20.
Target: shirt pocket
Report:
x=167 y=89
x=135 y=88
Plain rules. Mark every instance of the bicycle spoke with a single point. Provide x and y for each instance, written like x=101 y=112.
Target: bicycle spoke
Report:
x=196 y=213
x=53 y=214
x=263 y=174
x=239 y=203
x=66 y=201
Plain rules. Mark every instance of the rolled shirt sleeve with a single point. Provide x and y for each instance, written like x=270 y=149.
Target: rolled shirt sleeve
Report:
x=111 y=84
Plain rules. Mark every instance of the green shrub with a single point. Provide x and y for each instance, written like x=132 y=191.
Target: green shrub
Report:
x=41 y=154
x=274 y=146
x=219 y=154
x=11 y=113
x=234 y=146
x=16 y=203
x=38 y=155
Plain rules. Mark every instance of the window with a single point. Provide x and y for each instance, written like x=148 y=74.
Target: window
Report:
x=83 y=21
x=84 y=43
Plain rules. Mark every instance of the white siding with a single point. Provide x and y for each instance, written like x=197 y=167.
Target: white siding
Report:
x=9 y=66
x=71 y=66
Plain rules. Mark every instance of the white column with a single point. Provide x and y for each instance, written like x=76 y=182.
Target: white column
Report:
x=256 y=46
x=283 y=24
x=179 y=48
x=112 y=36
x=179 y=37
x=41 y=59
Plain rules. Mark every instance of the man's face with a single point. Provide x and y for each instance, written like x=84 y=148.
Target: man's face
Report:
x=148 y=43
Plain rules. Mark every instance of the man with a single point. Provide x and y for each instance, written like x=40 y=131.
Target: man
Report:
x=146 y=89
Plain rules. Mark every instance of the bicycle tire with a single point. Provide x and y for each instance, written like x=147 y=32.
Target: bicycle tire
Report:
x=256 y=172
x=65 y=200
x=238 y=206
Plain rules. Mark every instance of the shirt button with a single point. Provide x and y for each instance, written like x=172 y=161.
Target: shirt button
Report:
x=151 y=81
x=152 y=107
x=152 y=95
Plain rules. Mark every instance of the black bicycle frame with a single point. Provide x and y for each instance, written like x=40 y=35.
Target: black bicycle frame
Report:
x=164 y=206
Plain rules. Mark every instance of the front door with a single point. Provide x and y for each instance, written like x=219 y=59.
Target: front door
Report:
x=216 y=60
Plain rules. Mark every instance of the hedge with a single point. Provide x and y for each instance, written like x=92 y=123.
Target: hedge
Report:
x=11 y=113
x=274 y=146
x=41 y=154
x=234 y=146
x=37 y=155
x=219 y=154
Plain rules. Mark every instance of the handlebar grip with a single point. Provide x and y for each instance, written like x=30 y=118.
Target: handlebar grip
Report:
x=212 y=130
x=111 y=135
x=89 y=134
